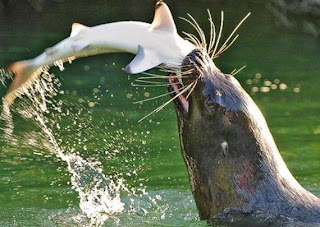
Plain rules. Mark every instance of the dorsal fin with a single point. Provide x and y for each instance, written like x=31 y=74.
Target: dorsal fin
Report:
x=163 y=18
x=76 y=28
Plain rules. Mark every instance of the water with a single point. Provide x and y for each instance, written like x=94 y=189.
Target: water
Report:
x=83 y=158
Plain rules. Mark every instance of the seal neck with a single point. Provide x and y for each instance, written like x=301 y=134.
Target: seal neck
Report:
x=242 y=171
x=234 y=163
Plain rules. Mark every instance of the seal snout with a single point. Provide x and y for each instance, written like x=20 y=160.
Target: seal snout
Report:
x=184 y=84
x=176 y=87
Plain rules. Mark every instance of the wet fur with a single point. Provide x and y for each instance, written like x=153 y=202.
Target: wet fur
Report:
x=251 y=175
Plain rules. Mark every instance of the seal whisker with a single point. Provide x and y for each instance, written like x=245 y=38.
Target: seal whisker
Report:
x=196 y=26
x=201 y=32
x=232 y=33
x=160 y=77
x=153 y=85
x=177 y=72
x=235 y=71
x=203 y=64
x=153 y=75
x=219 y=36
x=156 y=97
x=212 y=33
x=221 y=50
x=170 y=68
x=191 y=23
x=149 y=82
x=193 y=87
x=168 y=102
x=153 y=98
x=180 y=74
x=192 y=38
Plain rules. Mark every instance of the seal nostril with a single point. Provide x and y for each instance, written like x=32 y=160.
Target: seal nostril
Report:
x=191 y=67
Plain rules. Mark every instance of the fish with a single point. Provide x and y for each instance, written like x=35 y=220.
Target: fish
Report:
x=153 y=44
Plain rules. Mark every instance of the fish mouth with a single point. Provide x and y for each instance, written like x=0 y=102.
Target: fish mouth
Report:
x=175 y=88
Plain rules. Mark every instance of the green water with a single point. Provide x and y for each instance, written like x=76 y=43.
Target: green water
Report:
x=102 y=121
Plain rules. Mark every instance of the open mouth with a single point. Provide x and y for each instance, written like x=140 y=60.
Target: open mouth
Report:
x=176 y=88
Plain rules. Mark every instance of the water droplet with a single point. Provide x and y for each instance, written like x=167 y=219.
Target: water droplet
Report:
x=276 y=81
x=86 y=68
x=146 y=94
x=254 y=89
x=264 y=89
x=296 y=89
x=258 y=75
x=91 y=104
x=274 y=86
x=283 y=86
x=267 y=83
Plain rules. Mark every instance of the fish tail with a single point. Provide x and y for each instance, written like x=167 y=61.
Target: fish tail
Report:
x=23 y=74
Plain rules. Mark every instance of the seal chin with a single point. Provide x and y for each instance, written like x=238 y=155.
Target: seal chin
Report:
x=175 y=86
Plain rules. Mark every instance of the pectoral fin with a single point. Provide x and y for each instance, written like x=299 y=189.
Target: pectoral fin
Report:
x=144 y=60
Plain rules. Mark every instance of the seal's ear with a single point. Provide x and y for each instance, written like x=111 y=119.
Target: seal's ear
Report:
x=163 y=18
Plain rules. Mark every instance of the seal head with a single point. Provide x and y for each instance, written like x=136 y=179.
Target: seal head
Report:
x=231 y=157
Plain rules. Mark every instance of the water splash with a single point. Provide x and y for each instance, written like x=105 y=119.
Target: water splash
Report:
x=4 y=76
x=5 y=113
x=99 y=194
x=66 y=129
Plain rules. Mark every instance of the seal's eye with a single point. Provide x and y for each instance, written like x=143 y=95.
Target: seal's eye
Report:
x=210 y=105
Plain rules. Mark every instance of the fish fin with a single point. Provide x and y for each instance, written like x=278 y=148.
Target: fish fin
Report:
x=143 y=61
x=163 y=18
x=76 y=28
x=23 y=74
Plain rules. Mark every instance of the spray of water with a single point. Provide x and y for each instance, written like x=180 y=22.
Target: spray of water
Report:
x=99 y=194
x=66 y=131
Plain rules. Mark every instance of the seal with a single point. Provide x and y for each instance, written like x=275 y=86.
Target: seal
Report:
x=232 y=160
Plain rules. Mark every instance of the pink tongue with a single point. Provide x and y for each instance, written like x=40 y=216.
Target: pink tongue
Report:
x=184 y=102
